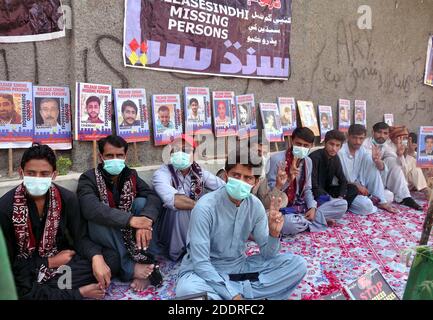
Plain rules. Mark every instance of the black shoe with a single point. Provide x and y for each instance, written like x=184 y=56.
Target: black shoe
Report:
x=409 y=202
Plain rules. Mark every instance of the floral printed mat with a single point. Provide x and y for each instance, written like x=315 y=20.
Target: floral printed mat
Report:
x=335 y=257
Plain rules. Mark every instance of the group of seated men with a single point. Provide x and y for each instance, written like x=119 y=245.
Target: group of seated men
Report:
x=63 y=245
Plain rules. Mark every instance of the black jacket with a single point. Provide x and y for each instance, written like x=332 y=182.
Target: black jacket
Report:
x=71 y=235
x=96 y=211
x=324 y=171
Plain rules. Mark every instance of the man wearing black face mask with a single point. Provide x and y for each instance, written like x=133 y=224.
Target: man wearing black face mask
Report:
x=290 y=171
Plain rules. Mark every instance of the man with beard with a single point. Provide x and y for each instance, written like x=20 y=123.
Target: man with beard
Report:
x=93 y=107
x=129 y=114
x=49 y=112
x=8 y=115
x=362 y=169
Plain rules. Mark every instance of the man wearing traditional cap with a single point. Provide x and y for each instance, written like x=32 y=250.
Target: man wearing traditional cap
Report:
x=395 y=155
x=180 y=184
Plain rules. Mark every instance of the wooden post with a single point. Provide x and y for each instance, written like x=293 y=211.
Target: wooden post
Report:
x=95 y=154
x=428 y=223
x=136 y=162
x=11 y=162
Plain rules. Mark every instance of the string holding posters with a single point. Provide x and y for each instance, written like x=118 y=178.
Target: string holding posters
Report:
x=428 y=77
x=132 y=120
x=389 y=119
x=271 y=121
x=246 y=113
x=16 y=115
x=239 y=38
x=25 y=21
x=425 y=148
x=167 y=118
x=308 y=116
x=224 y=113
x=198 y=113
x=288 y=115
x=93 y=111
x=326 y=121
x=344 y=115
x=361 y=112
x=52 y=117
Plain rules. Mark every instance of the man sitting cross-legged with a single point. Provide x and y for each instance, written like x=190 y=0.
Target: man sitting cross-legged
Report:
x=44 y=231
x=220 y=225
x=121 y=209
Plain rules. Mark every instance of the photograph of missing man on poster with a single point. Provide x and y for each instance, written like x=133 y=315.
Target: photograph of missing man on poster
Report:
x=16 y=120
x=425 y=148
x=93 y=111
x=361 y=112
x=428 y=78
x=224 y=113
x=28 y=21
x=246 y=109
x=167 y=118
x=308 y=116
x=271 y=121
x=326 y=121
x=388 y=118
x=288 y=115
x=53 y=117
x=344 y=115
x=197 y=110
x=132 y=121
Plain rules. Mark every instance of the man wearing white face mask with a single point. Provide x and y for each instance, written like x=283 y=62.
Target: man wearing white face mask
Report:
x=180 y=184
x=44 y=231
x=220 y=226
x=121 y=209
x=290 y=171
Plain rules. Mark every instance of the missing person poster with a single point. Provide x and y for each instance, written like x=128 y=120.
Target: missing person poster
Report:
x=326 y=121
x=132 y=120
x=16 y=115
x=371 y=286
x=52 y=117
x=198 y=112
x=224 y=113
x=288 y=115
x=308 y=116
x=167 y=118
x=25 y=21
x=246 y=108
x=388 y=118
x=93 y=111
x=428 y=78
x=361 y=112
x=271 y=121
x=344 y=115
x=425 y=148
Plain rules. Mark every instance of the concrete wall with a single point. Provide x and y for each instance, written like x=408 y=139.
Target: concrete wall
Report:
x=331 y=58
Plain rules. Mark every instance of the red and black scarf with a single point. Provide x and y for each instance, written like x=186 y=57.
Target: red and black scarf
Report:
x=291 y=190
x=197 y=184
x=24 y=236
x=127 y=197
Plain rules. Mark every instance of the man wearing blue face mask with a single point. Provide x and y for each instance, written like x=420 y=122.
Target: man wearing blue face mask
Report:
x=44 y=231
x=290 y=171
x=180 y=184
x=121 y=209
x=220 y=226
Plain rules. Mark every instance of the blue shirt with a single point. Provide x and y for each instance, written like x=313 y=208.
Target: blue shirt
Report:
x=218 y=235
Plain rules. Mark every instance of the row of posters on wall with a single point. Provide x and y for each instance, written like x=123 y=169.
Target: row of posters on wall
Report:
x=43 y=114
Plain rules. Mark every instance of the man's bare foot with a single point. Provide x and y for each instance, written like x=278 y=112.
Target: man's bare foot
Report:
x=139 y=284
x=331 y=222
x=142 y=271
x=387 y=207
x=92 y=291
